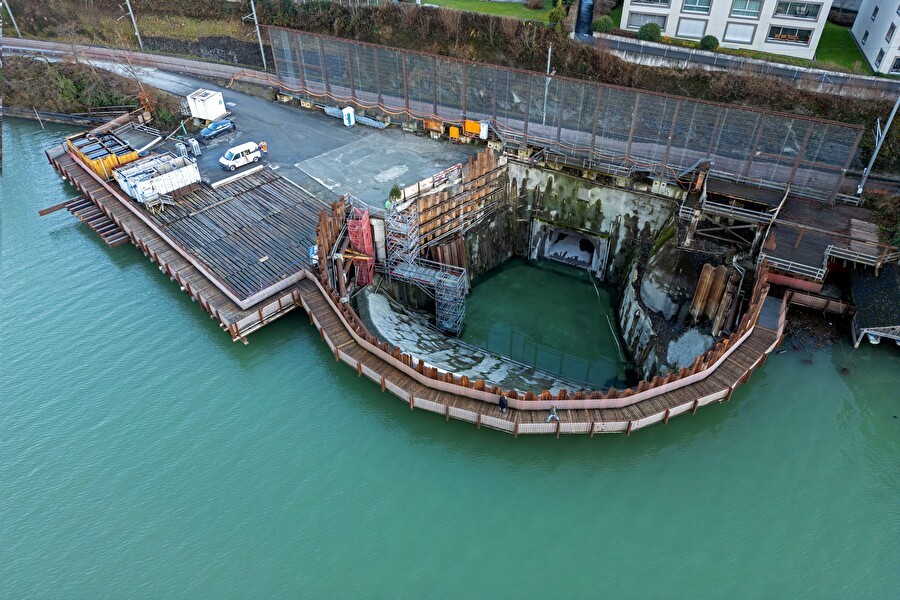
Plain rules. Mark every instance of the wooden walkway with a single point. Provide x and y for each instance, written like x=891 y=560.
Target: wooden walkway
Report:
x=103 y=206
x=418 y=393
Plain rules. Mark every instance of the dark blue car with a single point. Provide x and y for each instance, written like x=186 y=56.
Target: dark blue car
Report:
x=217 y=128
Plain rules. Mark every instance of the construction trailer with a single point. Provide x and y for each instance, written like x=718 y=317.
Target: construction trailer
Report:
x=206 y=105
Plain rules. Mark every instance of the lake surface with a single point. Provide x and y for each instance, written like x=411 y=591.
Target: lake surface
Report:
x=144 y=455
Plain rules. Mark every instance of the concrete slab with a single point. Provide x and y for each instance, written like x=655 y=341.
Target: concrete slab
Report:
x=369 y=167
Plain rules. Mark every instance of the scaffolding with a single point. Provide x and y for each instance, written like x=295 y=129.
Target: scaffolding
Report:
x=445 y=283
x=360 y=232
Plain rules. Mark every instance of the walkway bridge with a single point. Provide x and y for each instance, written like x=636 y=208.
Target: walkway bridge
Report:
x=713 y=377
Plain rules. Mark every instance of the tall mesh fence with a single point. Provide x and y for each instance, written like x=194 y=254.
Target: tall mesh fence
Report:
x=604 y=127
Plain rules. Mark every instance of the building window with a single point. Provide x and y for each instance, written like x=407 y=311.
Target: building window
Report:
x=879 y=58
x=797 y=10
x=746 y=8
x=739 y=33
x=691 y=28
x=789 y=35
x=874 y=13
x=864 y=38
x=696 y=6
x=896 y=67
x=635 y=20
x=653 y=2
x=890 y=32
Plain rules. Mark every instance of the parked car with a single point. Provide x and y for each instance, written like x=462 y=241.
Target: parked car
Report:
x=240 y=155
x=217 y=128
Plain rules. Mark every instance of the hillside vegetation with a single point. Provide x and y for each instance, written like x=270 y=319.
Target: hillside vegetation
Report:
x=73 y=87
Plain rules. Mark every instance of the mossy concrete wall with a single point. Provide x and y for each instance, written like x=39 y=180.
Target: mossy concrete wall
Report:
x=624 y=216
x=638 y=332
x=492 y=242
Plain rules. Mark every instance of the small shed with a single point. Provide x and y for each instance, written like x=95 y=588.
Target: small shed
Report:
x=877 y=300
x=206 y=105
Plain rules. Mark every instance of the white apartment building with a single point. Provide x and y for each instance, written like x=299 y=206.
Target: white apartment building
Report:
x=875 y=32
x=777 y=26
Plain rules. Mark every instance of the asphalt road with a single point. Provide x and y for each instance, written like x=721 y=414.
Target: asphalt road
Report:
x=308 y=147
x=317 y=151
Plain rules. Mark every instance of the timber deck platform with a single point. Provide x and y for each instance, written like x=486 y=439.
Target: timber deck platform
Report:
x=220 y=245
x=716 y=387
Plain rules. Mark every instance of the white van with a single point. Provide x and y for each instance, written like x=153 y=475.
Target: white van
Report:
x=240 y=155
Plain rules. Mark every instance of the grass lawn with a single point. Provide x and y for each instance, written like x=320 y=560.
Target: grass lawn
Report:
x=616 y=15
x=837 y=46
x=502 y=9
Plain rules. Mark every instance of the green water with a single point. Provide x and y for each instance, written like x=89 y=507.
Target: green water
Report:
x=144 y=455
x=549 y=315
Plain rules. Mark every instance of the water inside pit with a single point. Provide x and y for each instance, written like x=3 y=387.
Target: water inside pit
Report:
x=548 y=315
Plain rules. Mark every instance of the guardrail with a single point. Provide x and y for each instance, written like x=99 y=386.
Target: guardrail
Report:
x=740 y=213
x=817 y=273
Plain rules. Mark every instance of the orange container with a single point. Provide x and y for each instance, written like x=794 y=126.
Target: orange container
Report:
x=472 y=127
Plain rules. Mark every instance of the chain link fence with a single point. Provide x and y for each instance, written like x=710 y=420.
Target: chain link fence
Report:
x=604 y=127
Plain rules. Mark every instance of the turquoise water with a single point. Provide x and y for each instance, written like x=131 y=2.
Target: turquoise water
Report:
x=144 y=455
x=572 y=335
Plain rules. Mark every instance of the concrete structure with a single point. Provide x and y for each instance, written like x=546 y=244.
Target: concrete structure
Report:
x=777 y=26
x=875 y=32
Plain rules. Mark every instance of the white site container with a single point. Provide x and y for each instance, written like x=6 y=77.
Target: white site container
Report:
x=349 y=116
x=207 y=105
x=483 y=130
x=148 y=178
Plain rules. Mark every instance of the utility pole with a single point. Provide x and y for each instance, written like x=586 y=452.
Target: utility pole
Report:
x=880 y=134
x=262 y=52
x=134 y=22
x=11 y=17
x=547 y=84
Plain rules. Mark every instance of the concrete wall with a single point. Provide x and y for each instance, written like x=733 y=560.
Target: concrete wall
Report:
x=491 y=243
x=622 y=217
x=219 y=48
x=637 y=330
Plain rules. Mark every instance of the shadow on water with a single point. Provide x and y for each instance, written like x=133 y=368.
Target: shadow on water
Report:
x=549 y=315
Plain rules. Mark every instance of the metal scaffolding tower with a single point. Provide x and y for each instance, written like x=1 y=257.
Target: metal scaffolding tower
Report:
x=360 y=231
x=445 y=283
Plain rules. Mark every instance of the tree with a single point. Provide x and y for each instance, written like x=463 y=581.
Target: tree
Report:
x=603 y=25
x=709 y=42
x=557 y=15
x=649 y=32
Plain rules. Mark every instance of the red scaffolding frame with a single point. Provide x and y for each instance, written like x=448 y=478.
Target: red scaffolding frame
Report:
x=360 y=232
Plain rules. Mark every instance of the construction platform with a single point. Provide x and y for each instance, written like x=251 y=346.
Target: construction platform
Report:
x=238 y=250
x=455 y=397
